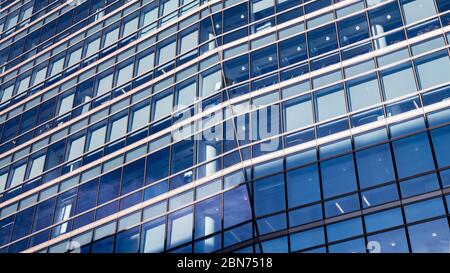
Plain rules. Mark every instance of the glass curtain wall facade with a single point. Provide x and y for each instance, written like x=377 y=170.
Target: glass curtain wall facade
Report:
x=254 y=126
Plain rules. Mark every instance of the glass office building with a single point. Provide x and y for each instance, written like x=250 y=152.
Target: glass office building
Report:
x=252 y=126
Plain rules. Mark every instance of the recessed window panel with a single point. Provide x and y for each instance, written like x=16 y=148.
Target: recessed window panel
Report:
x=133 y=176
x=236 y=70
x=7 y=93
x=185 y=93
x=158 y=165
x=353 y=29
x=117 y=127
x=111 y=37
x=235 y=17
x=263 y=60
x=182 y=155
x=292 y=50
x=322 y=40
x=37 y=166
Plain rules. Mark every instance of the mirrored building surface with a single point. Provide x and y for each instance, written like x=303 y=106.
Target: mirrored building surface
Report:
x=251 y=126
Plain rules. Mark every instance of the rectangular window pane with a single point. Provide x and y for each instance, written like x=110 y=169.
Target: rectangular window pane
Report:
x=298 y=113
x=76 y=148
x=140 y=117
x=17 y=175
x=37 y=166
x=97 y=138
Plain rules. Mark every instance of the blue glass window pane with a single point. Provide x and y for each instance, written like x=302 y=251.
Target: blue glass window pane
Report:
x=269 y=195
x=383 y=220
x=413 y=155
x=235 y=17
x=292 y=50
x=303 y=186
x=440 y=138
x=236 y=206
x=384 y=19
x=133 y=176
x=44 y=214
x=208 y=245
x=353 y=246
x=237 y=234
x=279 y=245
x=22 y=223
x=353 y=29
x=155 y=190
x=272 y=223
x=305 y=215
x=322 y=40
x=338 y=176
x=153 y=236
x=425 y=209
x=182 y=155
x=105 y=245
x=180 y=226
x=445 y=178
x=379 y=196
x=236 y=70
x=307 y=239
x=375 y=166
x=158 y=165
x=419 y=185
x=128 y=241
x=389 y=242
x=264 y=60
x=341 y=205
x=109 y=186
x=330 y=102
x=345 y=229
x=208 y=216
x=430 y=237
x=87 y=196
